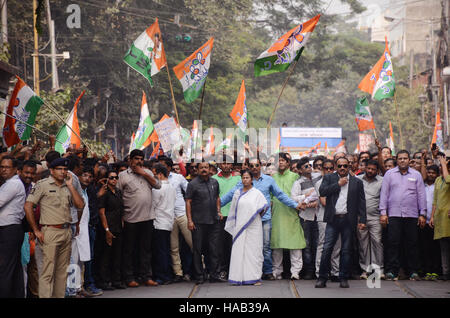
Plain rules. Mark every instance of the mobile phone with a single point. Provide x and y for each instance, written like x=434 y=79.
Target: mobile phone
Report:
x=433 y=146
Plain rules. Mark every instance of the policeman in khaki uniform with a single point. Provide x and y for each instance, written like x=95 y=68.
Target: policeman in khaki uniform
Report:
x=55 y=195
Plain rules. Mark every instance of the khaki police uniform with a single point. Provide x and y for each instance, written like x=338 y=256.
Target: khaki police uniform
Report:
x=55 y=202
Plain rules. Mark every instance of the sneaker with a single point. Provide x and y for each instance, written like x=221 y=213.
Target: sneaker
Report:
x=94 y=291
x=427 y=276
x=383 y=277
x=414 y=276
x=391 y=276
x=434 y=276
x=363 y=275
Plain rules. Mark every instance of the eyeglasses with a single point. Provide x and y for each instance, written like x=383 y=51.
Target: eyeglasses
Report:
x=306 y=166
x=342 y=166
x=6 y=167
x=256 y=165
x=112 y=178
x=328 y=168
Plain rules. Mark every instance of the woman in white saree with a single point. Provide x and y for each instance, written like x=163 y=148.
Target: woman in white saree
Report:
x=245 y=225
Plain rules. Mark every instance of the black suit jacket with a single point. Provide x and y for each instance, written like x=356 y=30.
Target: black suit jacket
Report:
x=356 y=200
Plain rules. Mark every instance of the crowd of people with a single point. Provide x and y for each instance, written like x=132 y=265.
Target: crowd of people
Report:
x=74 y=226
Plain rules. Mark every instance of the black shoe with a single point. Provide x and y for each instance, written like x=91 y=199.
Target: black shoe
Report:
x=321 y=283
x=199 y=281
x=178 y=278
x=119 y=285
x=268 y=277
x=335 y=279
x=308 y=276
x=344 y=284
x=106 y=286
x=217 y=279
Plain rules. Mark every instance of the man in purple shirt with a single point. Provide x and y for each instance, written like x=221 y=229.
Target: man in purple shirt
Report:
x=402 y=208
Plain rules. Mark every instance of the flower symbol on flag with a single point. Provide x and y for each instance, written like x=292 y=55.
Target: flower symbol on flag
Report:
x=196 y=66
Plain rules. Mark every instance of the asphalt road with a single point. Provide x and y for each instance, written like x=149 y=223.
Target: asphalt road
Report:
x=289 y=289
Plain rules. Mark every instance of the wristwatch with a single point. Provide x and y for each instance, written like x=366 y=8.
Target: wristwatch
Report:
x=107 y=229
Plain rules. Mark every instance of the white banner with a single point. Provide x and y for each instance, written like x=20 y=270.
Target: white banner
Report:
x=288 y=132
x=365 y=140
x=168 y=133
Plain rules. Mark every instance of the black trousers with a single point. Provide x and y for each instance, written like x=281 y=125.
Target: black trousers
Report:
x=137 y=249
x=209 y=234
x=225 y=249
x=111 y=260
x=162 y=261
x=402 y=231
x=11 y=272
x=429 y=251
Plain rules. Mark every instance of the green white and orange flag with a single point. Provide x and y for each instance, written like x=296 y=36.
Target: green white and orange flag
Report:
x=225 y=144
x=209 y=149
x=66 y=136
x=146 y=55
x=239 y=113
x=288 y=48
x=131 y=142
x=437 y=134
x=390 y=140
x=193 y=70
x=364 y=118
x=145 y=127
x=24 y=105
x=380 y=81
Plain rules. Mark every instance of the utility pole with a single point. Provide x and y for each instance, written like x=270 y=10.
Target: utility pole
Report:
x=51 y=31
x=36 y=52
x=434 y=85
x=411 y=68
x=4 y=22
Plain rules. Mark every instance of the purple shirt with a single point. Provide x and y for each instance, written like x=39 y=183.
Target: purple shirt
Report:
x=403 y=195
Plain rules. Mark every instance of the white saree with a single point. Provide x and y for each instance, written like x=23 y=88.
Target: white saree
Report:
x=245 y=225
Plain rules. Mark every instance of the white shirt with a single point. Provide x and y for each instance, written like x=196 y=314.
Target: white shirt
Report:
x=163 y=206
x=429 y=192
x=12 y=201
x=341 y=203
x=179 y=183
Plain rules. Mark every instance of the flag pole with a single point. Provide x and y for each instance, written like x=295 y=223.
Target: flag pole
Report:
x=375 y=133
x=59 y=117
x=398 y=120
x=31 y=126
x=279 y=96
x=201 y=103
x=171 y=91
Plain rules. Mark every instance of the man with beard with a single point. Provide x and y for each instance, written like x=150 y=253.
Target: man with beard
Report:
x=370 y=243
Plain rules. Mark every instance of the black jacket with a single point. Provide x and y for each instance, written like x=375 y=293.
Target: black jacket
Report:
x=356 y=200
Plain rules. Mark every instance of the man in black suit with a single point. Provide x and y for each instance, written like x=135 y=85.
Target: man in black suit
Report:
x=345 y=208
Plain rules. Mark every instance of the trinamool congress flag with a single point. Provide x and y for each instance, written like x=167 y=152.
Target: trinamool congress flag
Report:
x=193 y=70
x=225 y=144
x=24 y=105
x=65 y=135
x=390 y=140
x=239 y=113
x=146 y=55
x=287 y=49
x=437 y=134
x=364 y=118
x=209 y=148
x=145 y=127
x=380 y=81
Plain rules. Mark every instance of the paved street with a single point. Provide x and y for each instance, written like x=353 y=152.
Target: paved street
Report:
x=289 y=289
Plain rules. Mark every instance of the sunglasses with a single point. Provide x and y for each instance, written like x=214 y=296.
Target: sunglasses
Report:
x=342 y=166
x=328 y=168
x=112 y=178
x=256 y=165
x=306 y=166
